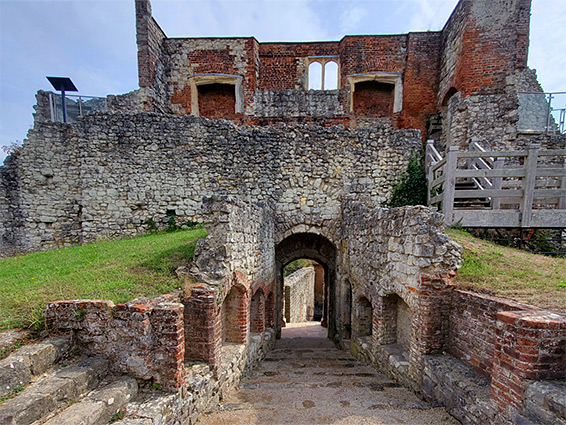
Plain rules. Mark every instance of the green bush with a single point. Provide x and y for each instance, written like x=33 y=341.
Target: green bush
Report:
x=411 y=189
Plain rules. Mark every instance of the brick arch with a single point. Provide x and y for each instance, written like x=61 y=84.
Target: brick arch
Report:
x=235 y=315
x=315 y=247
x=257 y=312
x=363 y=316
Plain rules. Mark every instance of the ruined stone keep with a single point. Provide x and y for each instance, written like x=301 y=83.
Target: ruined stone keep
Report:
x=235 y=133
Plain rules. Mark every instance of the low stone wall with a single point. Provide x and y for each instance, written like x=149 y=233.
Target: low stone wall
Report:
x=545 y=403
x=299 y=295
x=143 y=338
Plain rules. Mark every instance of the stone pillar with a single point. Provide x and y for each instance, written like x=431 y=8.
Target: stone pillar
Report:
x=529 y=346
x=203 y=331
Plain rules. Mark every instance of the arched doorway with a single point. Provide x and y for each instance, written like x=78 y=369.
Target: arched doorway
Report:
x=313 y=247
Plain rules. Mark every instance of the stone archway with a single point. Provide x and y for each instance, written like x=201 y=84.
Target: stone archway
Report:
x=313 y=247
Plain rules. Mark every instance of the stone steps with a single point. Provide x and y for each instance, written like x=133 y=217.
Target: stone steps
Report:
x=53 y=391
x=20 y=367
x=99 y=406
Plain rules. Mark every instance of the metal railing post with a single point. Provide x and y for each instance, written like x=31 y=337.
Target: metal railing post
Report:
x=548 y=113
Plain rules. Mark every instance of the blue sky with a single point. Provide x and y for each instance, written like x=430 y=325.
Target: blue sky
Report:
x=93 y=42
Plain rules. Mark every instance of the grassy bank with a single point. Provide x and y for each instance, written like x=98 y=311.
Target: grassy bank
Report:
x=116 y=270
x=511 y=273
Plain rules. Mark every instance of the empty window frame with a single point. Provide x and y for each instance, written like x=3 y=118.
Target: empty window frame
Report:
x=323 y=73
x=389 y=81
x=218 y=87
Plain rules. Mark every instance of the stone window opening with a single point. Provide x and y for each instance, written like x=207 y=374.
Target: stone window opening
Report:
x=323 y=73
x=216 y=95
x=257 y=312
x=376 y=94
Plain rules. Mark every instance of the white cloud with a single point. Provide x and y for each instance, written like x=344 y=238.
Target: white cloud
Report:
x=351 y=19
x=429 y=15
x=266 y=20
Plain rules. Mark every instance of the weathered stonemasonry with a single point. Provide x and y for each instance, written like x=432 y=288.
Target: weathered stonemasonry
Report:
x=144 y=338
x=311 y=187
x=299 y=295
x=400 y=261
x=106 y=175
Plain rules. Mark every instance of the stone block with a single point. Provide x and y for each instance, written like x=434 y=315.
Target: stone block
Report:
x=26 y=408
x=14 y=371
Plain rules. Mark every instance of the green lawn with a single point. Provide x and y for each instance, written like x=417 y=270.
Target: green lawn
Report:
x=511 y=273
x=118 y=271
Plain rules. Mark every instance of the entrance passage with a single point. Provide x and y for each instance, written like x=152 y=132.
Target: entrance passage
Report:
x=307 y=380
x=322 y=300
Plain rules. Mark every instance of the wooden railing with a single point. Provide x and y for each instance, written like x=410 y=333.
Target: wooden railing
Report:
x=512 y=188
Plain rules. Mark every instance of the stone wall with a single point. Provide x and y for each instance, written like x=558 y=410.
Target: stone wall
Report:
x=143 y=338
x=400 y=252
x=107 y=174
x=299 y=295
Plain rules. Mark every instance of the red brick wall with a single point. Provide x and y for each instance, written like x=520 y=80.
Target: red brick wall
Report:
x=235 y=317
x=473 y=326
x=217 y=101
x=530 y=345
x=420 y=83
x=143 y=338
x=510 y=343
x=257 y=312
x=203 y=327
x=373 y=99
x=280 y=63
x=484 y=42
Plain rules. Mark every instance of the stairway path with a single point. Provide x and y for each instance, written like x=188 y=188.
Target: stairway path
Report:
x=307 y=380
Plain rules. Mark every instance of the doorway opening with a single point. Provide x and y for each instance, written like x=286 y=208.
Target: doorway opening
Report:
x=313 y=293
x=303 y=291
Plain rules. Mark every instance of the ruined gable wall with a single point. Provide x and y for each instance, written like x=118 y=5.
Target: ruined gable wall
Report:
x=109 y=173
x=484 y=42
x=484 y=54
x=152 y=62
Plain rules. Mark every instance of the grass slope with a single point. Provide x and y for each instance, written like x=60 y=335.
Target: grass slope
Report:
x=117 y=270
x=511 y=273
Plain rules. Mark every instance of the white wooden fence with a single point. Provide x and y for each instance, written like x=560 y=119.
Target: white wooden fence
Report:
x=523 y=188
